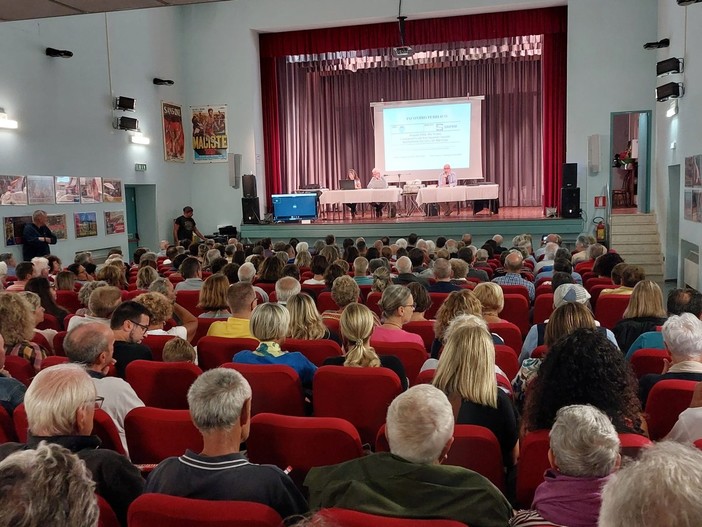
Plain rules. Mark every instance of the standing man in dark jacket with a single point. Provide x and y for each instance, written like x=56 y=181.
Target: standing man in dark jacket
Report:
x=37 y=237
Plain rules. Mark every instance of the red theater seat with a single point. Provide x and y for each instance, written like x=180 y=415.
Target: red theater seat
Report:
x=162 y=384
x=275 y=388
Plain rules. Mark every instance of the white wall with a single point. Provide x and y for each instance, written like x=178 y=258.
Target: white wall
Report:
x=680 y=24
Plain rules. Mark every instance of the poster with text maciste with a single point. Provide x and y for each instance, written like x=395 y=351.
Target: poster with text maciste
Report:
x=209 y=129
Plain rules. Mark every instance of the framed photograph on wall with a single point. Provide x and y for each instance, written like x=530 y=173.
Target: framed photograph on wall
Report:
x=14 y=229
x=90 y=189
x=13 y=190
x=67 y=189
x=40 y=190
x=114 y=222
x=57 y=225
x=112 y=190
x=85 y=224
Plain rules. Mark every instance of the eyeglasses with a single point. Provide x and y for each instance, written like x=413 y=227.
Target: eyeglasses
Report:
x=99 y=401
x=145 y=327
x=413 y=306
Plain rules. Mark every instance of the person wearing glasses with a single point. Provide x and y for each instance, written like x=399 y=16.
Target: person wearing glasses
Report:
x=129 y=324
x=92 y=346
x=60 y=405
x=397 y=305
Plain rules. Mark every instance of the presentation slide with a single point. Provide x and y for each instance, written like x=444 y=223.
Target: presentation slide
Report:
x=415 y=139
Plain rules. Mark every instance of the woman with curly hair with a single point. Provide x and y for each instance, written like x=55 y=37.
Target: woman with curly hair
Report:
x=463 y=302
x=305 y=321
x=17 y=324
x=213 y=297
x=145 y=277
x=47 y=295
x=357 y=324
x=113 y=275
x=584 y=368
x=161 y=309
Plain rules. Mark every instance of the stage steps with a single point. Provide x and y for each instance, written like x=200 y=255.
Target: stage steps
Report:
x=635 y=237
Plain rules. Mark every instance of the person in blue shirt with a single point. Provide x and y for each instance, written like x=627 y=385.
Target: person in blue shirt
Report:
x=37 y=236
x=269 y=324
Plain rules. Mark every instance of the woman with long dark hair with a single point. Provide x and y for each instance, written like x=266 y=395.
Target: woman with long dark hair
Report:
x=42 y=287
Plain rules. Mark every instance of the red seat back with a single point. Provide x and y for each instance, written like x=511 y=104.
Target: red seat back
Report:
x=411 y=355
x=68 y=300
x=372 y=302
x=58 y=343
x=302 y=442
x=595 y=291
x=425 y=377
x=49 y=322
x=325 y=302
x=7 y=427
x=649 y=360
x=509 y=333
x=516 y=311
x=633 y=444
x=349 y=518
x=543 y=307
x=276 y=388
x=20 y=369
x=508 y=361
x=533 y=462
x=317 y=351
x=423 y=328
x=162 y=384
x=359 y=395
x=153 y=434
x=107 y=517
x=104 y=427
x=542 y=290
x=597 y=280
x=515 y=290
x=156 y=343
x=53 y=360
x=156 y=510
x=539 y=352
x=667 y=399
x=189 y=300
x=610 y=309
x=203 y=326
x=436 y=300
x=212 y=352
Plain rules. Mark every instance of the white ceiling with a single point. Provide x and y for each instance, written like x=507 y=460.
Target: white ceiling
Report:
x=30 y=9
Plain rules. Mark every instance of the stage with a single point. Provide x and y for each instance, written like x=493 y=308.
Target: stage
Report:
x=508 y=222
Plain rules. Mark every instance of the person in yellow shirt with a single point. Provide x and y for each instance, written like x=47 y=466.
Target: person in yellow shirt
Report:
x=631 y=275
x=241 y=299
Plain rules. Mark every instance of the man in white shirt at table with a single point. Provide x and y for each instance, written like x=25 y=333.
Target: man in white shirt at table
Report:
x=377 y=182
x=448 y=179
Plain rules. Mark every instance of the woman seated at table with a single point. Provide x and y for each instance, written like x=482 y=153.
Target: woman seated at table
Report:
x=353 y=176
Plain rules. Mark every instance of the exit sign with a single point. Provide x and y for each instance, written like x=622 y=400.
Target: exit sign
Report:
x=140 y=167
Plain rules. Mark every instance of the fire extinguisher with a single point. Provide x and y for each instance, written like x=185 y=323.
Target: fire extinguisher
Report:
x=600 y=229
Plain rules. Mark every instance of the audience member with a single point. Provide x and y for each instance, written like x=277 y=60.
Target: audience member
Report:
x=113 y=275
x=17 y=324
x=241 y=300
x=442 y=274
x=24 y=271
x=422 y=302
x=191 y=271
x=405 y=275
x=492 y=301
x=513 y=267
x=102 y=302
x=644 y=313
x=47 y=295
x=213 y=297
x=631 y=275
x=11 y=390
x=462 y=302
x=145 y=277
x=397 y=306
x=179 y=350
x=129 y=324
x=360 y=271
x=305 y=321
x=161 y=310
x=247 y=274
x=286 y=287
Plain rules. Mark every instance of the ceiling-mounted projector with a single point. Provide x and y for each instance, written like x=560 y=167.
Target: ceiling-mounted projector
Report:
x=404 y=51
x=688 y=2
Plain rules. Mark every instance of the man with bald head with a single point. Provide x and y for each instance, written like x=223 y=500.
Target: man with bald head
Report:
x=551 y=238
x=513 y=266
x=92 y=345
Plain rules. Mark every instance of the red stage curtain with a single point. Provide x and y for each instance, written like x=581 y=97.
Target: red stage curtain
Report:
x=550 y=22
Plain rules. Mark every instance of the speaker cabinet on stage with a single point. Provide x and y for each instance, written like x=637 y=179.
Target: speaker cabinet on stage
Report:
x=248 y=181
x=250 y=210
x=570 y=202
x=570 y=175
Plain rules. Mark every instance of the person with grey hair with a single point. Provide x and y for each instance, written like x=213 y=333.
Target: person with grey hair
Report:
x=92 y=345
x=443 y=272
x=405 y=275
x=583 y=454
x=220 y=407
x=683 y=339
x=47 y=486
x=36 y=237
x=247 y=274
x=513 y=266
x=60 y=405
x=549 y=257
x=410 y=481
x=102 y=302
x=661 y=488
x=83 y=258
x=397 y=305
x=550 y=238
x=285 y=288
x=581 y=244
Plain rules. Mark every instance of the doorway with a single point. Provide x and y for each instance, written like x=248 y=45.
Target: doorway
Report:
x=630 y=162
x=142 y=225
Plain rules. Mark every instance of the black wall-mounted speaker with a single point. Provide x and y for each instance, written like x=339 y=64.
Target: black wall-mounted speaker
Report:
x=570 y=175
x=250 y=209
x=126 y=104
x=248 y=181
x=672 y=90
x=570 y=202
x=127 y=123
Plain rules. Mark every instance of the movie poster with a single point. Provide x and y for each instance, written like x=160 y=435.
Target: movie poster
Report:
x=114 y=222
x=173 y=134
x=40 y=190
x=67 y=190
x=693 y=169
x=85 y=223
x=209 y=134
x=13 y=190
x=112 y=190
x=57 y=225
x=90 y=190
x=14 y=229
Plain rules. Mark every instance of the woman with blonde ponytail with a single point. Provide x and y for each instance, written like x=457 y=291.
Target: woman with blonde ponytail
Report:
x=356 y=325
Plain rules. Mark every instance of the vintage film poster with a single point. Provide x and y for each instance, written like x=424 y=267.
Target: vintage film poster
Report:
x=13 y=190
x=693 y=171
x=85 y=224
x=14 y=228
x=114 y=222
x=57 y=225
x=40 y=190
x=209 y=133
x=90 y=190
x=67 y=189
x=173 y=134
x=112 y=190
